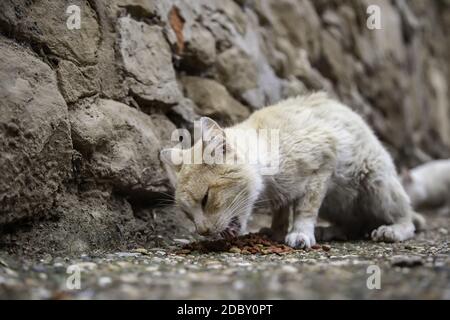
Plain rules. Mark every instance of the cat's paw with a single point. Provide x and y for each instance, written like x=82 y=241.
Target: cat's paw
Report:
x=300 y=240
x=392 y=233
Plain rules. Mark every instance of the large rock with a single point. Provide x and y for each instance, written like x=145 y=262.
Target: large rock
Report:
x=184 y=114
x=147 y=58
x=35 y=143
x=44 y=23
x=280 y=15
x=440 y=112
x=121 y=146
x=213 y=100
x=76 y=82
x=194 y=44
x=238 y=72
x=387 y=42
x=199 y=48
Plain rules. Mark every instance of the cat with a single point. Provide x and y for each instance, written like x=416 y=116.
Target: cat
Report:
x=428 y=185
x=331 y=165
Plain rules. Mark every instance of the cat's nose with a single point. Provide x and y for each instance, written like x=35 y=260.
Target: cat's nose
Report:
x=204 y=231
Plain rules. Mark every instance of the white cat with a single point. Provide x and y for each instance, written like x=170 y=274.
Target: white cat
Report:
x=330 y=165
x=428 y=185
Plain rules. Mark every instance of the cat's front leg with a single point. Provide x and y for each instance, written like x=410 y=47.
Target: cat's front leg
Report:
x=306 y=210
x=302 y=232
x=280 y=224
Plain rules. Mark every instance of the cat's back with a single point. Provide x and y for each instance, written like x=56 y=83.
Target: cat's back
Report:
x=318 y=124
x=319 y=119
x=316 y=109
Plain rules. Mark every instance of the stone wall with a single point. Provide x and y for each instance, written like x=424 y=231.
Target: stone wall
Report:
x=84 y=112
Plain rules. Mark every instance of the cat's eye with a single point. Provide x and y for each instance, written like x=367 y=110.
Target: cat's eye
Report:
x=205 y=199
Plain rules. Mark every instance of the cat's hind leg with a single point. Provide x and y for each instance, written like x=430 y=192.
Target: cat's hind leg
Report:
x=390 y=204
x=394 y=233
x=330 y=233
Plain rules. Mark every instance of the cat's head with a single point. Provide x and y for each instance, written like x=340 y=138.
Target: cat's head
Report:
x=217 y=198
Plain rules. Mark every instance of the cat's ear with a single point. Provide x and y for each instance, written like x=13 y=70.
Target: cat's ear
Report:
x=215 y=146
x=210 y=129
x=173 y=157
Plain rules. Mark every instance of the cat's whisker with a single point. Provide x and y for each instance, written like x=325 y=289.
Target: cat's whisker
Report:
x=242 y=204
x=263 y=201
x=168 y=195
x=235 y=200
x=227 y=213
x=231 y=211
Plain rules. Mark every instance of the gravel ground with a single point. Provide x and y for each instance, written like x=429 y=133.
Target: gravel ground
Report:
x=419 y=268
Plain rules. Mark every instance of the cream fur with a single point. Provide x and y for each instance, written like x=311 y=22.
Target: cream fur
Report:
x=331 y=165
x=428 y=185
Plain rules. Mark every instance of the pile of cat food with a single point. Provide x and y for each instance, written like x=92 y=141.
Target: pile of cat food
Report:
x=253 y=243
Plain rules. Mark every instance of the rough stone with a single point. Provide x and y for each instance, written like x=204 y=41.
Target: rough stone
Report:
x=121 y=145
x=147 y=59
x=237 y=71
x=45 y=23
x=213 y=100
x=76 y=83
x=184 y=115
x=35 y=142
x=200 y=48
x=305 y=32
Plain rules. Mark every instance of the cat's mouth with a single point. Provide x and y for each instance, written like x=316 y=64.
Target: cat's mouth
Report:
x=233 y=229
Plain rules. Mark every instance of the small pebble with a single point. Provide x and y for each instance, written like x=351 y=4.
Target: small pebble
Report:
x=289 y=269
x=127 y=254
x=183 y=241
x=104 y=281
x=142 y=251
x=3 y=263
x=235 y=250
x=184 y=251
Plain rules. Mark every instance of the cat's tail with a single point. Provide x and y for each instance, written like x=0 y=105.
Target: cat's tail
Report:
x=419 y=221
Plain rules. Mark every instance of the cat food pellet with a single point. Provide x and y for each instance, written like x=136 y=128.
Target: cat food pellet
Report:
x=248 y=244
x=184 y=251
x=235 y=250
x=253 y=243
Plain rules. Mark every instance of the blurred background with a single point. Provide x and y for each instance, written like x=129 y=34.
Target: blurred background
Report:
x=91 y=90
